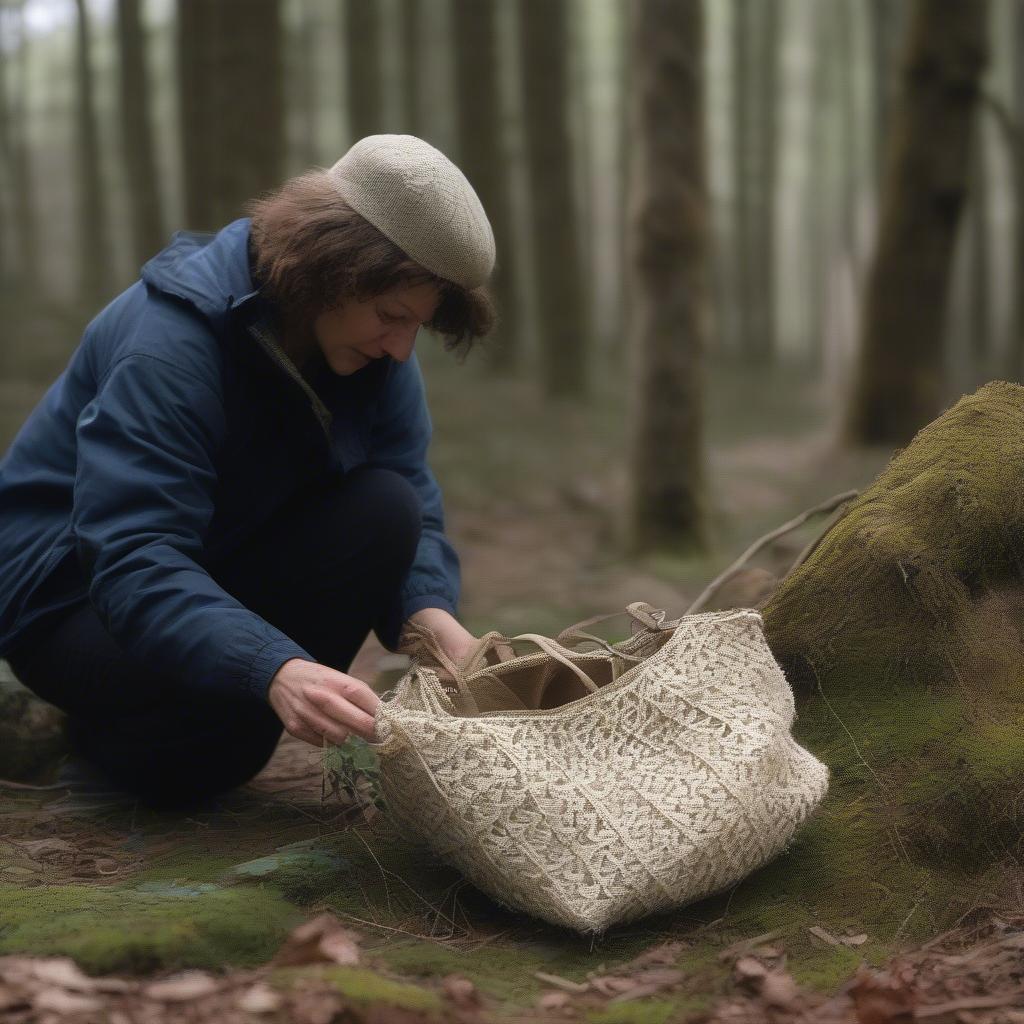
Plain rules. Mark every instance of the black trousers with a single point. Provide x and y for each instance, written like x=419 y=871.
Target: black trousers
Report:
x=325 y=570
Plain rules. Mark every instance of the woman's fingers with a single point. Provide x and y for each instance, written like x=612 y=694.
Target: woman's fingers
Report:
x=342 y=711
x=323 y=729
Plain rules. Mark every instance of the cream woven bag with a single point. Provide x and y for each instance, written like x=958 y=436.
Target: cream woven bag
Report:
x=592 y=787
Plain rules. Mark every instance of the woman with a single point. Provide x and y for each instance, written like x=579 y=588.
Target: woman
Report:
x=226 y=489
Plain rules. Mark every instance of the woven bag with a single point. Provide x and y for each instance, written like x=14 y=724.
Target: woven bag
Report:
x=594 y=787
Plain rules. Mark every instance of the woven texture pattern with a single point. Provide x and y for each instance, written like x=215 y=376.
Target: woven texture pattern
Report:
x=672 y=782
x=415 y=196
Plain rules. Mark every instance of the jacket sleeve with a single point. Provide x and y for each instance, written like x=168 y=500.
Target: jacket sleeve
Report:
x=399 y=441
x=143 y=499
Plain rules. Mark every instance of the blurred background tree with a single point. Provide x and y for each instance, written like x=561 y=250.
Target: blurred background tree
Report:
x=778 y=380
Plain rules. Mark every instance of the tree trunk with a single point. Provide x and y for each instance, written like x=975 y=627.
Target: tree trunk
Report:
x=979 y=219
x=30 y=271
x=136 y=134
x=410 y=31
x=899 y=384
x=94 y=249
x=363 y=68
x=885 y=21
x=1015 y=348
x=232 y=105
x=742 y=203
x=481 y=155
x=762 y=340
x=562 y=327
x=668 y=272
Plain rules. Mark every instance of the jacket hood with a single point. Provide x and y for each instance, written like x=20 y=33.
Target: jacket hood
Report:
x=210 y=271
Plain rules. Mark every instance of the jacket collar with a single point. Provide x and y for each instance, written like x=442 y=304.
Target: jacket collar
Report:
x=209 y=271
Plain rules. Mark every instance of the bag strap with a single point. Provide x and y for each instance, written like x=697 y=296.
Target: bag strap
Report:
x=644 y=616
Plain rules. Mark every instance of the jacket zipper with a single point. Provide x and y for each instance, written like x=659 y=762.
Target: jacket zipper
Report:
x=271 y=346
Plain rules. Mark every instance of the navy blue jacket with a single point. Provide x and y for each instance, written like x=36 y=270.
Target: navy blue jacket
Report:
x=175 y=430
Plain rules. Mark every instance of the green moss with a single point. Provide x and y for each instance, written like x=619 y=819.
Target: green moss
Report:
x=301 y=874
x=139 y=931
x=362 y=985
x=643 y=1011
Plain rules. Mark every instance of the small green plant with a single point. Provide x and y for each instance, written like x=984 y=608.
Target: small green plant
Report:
x=351 y=773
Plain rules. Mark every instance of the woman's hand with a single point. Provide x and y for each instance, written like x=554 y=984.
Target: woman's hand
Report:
x=455 y=640
x=317 y=703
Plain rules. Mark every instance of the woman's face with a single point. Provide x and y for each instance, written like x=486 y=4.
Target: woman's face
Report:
x=384 y=325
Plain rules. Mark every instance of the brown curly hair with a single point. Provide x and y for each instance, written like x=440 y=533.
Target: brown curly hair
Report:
x=310 y=251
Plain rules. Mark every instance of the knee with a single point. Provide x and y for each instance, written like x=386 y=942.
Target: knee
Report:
x=390 y=512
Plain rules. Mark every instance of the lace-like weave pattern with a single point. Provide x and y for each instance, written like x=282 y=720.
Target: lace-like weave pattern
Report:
x=663 y=787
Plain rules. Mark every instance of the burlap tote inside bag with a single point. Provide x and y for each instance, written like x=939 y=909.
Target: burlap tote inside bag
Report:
x=593 y=787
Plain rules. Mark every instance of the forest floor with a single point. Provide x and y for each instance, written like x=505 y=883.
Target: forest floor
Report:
x=292 y=899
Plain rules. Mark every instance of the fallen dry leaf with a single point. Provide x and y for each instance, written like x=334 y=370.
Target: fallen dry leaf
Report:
x=59 y=1000
x=182 y=987
x=778 y=989
x=553 y=1000
x=261 y=998
x=322 y=939
x=881 y=1000
x=10 y=998
x=61 y=972
x=462 y=992
x=749 y=971
x=612 y=984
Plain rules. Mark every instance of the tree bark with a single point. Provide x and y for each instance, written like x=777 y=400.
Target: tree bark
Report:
x=562 y=321
x=668 y=275
x=363 y=68
x=137 y=135
x=899 y=383
x=94 y=249
x=232 y=105
x=742 y=203
x=410 y=34
x=481 y=155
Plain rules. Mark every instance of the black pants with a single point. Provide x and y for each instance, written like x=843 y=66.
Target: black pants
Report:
x=324 y=570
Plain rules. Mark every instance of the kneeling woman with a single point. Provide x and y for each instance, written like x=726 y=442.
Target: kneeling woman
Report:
x=226 y=489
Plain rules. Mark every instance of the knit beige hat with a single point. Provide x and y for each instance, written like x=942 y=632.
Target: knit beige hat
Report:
x=415 y=196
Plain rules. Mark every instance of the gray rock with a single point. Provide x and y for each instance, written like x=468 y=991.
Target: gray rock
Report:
x=33 y=733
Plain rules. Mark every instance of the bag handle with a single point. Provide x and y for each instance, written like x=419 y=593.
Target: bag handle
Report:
x=643 y=615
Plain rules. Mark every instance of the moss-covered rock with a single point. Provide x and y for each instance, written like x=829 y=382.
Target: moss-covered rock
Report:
x=138 y=930
x=902 y=635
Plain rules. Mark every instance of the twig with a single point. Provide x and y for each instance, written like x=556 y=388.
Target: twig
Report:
x=969 y=1003
x=715 y=584
x=11 y=784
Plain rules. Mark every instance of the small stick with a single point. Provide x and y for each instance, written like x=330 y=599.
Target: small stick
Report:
x=715 y=584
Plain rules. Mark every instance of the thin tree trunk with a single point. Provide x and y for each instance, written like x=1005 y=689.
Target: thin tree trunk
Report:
x=818 y=219
x=763 y=340
x=136 y=134
x=979 y=219
x=94 y=250
x=742 y=219
x=22 y=177
x=230 y=76
x=1015 y=348
x=410 y=34
x=899 y=384
x=563 y=329
x=363 y=66
x=668 y=271
x=481 y=156
x=885 y=19
x=305 y=68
